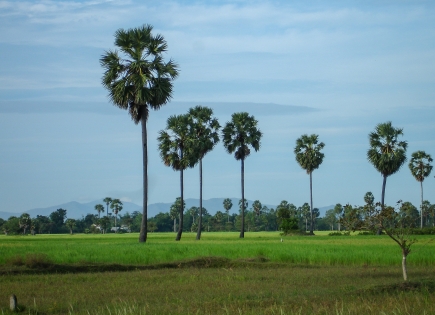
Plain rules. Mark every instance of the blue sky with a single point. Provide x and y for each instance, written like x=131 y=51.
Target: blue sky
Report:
x=348 y=65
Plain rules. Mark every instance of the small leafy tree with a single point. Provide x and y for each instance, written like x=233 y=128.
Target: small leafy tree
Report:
x=70 y=223
x=25 y=222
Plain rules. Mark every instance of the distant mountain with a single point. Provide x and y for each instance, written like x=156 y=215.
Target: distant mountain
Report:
x=76 y=210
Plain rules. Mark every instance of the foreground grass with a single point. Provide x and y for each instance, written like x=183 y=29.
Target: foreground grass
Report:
x=221 y=274
x=249 y=290
x=161 y=247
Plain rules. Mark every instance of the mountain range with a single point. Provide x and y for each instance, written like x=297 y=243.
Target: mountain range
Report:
x=76 y=210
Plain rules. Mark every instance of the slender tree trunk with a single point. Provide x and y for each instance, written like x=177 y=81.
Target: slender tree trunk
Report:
x=242 y=231
x=198 y=234
x=180 y=227
x=421 y=208
x=311 y=204
x=144 y=224
x=405 y=272
x=115 y=222
x=175 y=225
x=384 y=184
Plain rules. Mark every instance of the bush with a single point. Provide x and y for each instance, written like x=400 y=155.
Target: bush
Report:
x=346 y=233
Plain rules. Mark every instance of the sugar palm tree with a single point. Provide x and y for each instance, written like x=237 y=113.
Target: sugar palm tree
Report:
x=139 y=80
x=99 y=208
x=228 y=204
x=176 y=151
x=386 y=152
x=309 y=157
x=420 y=168
x=238 y=135
x=107 y=200
x=205 y=135
x=116 y=206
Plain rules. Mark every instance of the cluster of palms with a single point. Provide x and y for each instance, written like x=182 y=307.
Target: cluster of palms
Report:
x=138 y=79
x=387 y=154
x=115 y=205
x=188 y=138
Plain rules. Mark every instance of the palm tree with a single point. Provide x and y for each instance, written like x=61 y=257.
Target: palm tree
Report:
x=174 y=211
x=139 y=80
x=309 y=157
x=386 y=152
x=420 y=168
x=205 y=134
x=108 y=201
x=99 y=208
x=228 y=204
x=70 y=223
x=238 y=135
x=116 y=206
x=176 y=151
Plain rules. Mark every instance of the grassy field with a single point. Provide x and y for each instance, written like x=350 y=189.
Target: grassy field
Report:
x=221 y=274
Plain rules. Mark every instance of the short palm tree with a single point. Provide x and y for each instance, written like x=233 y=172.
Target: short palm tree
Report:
x=176 y=151
x=99 y=208
x=228 y=204
x=386 y=152
x=420 y=168
x=116 y=206
x=139 y=80
x=205 y=135
x=309 y=157
x=238 y=135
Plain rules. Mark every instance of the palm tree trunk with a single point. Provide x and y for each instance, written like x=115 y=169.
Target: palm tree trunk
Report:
x=143 y=226
x=311 y=204
x=198 y=234
x=242 y=231
x=384 y=184
x=175 y=225
x=421 y=208
x=180 y=227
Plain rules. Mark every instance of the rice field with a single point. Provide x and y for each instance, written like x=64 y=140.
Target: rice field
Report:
x=161 y=247
x=221 y=274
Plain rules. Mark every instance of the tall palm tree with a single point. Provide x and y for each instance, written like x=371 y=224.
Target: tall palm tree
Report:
x=176 y=151
x=420 y=168
x=139 y=80
x=238 y=135
x=116 y=206
x=99 y=208
x=386 y=152
x=108 y=201
x=205 y=135
x=309 y=157
x=228 y=204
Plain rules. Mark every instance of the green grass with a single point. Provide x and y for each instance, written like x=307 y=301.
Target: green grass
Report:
x=221 y=274
x=161 y=247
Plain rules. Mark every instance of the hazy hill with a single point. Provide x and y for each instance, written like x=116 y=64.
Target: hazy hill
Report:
x=76 y=210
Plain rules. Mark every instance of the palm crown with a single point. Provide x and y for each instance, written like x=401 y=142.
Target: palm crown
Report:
x=308 y=153
x=240 y=133
x=175 y=143
x=387 y=153
x=420 y=165
x=204 y=130
x=142 y=79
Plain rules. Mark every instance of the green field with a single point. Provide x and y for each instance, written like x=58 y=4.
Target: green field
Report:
x=221 y=274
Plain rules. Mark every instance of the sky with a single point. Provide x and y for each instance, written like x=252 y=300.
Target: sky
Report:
x=332 y=68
